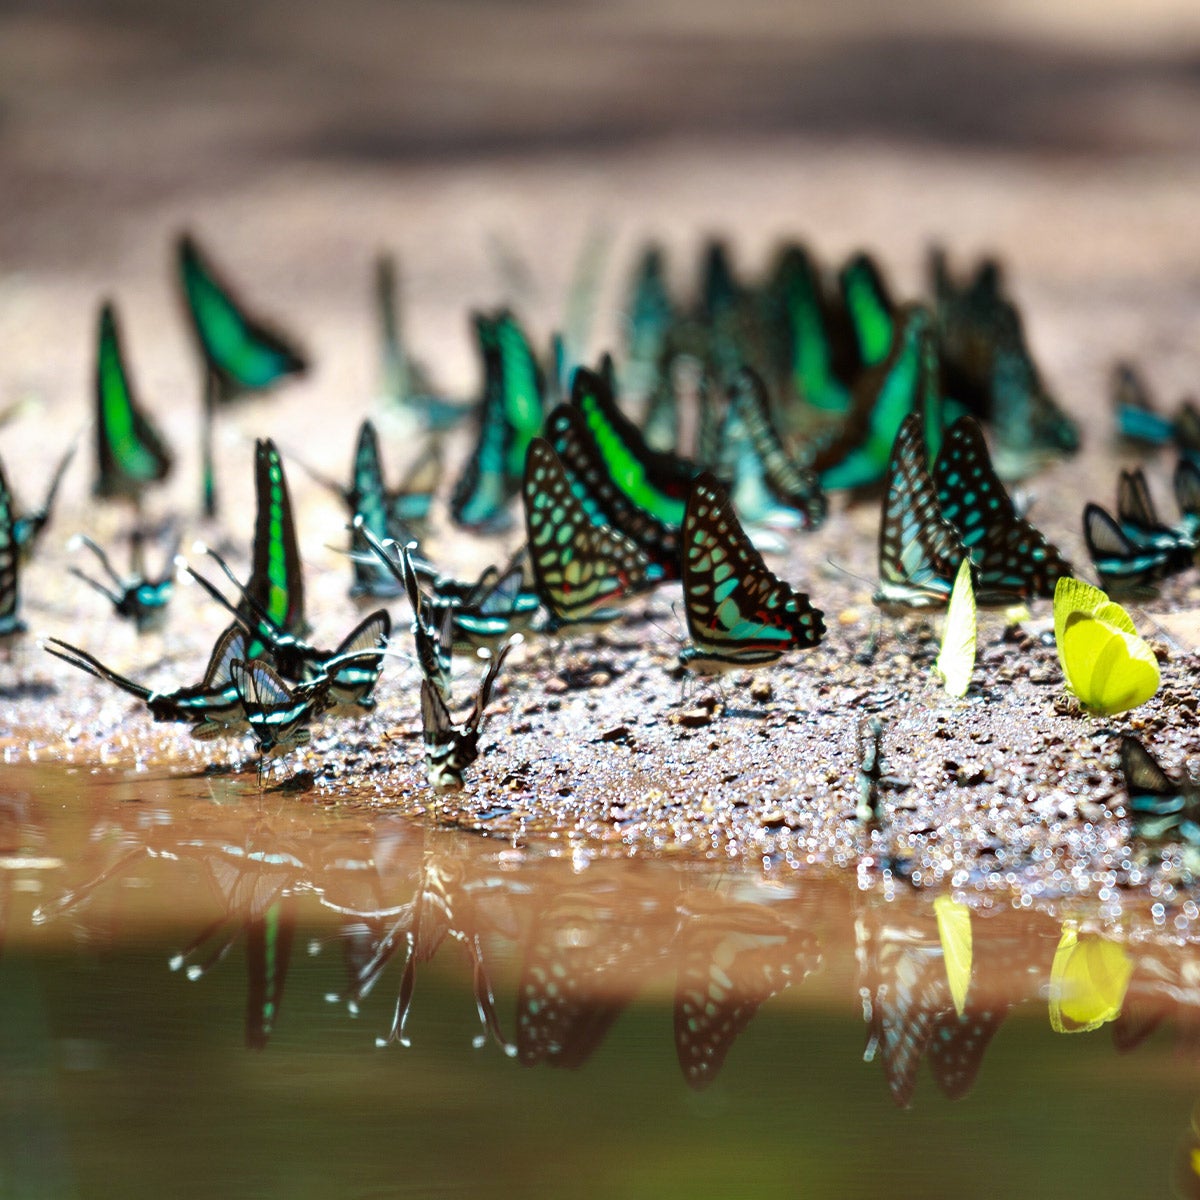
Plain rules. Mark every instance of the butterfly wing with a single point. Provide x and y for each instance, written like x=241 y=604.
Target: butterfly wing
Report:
x=10 y=566
x=579 y=567
x=920 y=552
x=276 y=582
x=246 y=355
x=130 y=452
x=1015 y=561
x=1108 y=669
x=275 y=713
x=738 y=613
x=871 y=308
x=956 y=660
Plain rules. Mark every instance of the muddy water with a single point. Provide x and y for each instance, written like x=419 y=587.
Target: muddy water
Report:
x=200 y=985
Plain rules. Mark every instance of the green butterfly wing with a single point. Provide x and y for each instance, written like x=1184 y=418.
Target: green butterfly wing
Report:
x=870 y=306
x=245 y=355
x=130 y=452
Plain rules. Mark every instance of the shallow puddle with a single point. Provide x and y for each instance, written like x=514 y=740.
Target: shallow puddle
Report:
x=206 y=990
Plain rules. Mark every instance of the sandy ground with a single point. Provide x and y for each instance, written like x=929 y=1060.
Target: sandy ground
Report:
x=1064 y=142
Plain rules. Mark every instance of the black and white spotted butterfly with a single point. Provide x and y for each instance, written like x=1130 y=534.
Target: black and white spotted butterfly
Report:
x=278 y=715
x=1015 y=561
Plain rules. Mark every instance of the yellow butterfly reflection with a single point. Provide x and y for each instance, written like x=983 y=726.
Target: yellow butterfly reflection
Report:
x=1107 y=666
x=1088 y=981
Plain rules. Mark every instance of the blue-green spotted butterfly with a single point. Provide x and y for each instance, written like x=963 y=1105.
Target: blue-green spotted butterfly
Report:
x=919 y=550
x=1161 y=810
x=131 y=454
x=739 y=614
x=580 y=568
x=1015 y=561
x=29 y=526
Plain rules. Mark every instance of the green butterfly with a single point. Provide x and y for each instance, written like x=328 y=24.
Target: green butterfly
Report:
x=858 y=455
x=579 y=567
x=739 y=614
x=510 y=415
x=130 y=452
x=276 y=584
x=244 y=354
x=871 y=309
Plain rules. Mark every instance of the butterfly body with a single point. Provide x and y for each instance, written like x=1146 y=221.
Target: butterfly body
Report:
x=739 y=614
x=134 y=597
x=278 y=715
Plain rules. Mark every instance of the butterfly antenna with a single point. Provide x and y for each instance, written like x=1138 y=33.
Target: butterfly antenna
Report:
x=82 y=539
x=836 y=566
x=72 y=899
x=112 y=597
x=485 y=1002
x=83 y=661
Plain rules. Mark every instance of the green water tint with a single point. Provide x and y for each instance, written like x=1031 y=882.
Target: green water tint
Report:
x=714 y=1019
x=130 y=453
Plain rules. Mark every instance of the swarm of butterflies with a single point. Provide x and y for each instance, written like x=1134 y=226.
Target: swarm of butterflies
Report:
x=805 y=382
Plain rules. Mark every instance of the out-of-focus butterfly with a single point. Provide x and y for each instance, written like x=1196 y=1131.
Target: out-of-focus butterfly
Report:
x=580 y=569
x=29 y=526
x=131 y=454
x=406 y=383
x=135 y=597
x=450 y=749
x=649 y=313
x=1161 y=810
x=919 y=550
x=510 y=416
x=395 y=514
x=1108 y=668
x=739 y=614
x=869 y=304
x=731 y=960
x=1137 y=550
x=212 y=707
x=1138 y=420
x=1015 y=561
x=1187 y=496
x=243 y=353
x=858 y=454
x=760 y=464
x=10 y=565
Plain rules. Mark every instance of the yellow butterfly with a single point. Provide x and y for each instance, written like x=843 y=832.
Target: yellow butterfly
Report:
x=956 y=660
x=1107 y=666
x=1088 y=981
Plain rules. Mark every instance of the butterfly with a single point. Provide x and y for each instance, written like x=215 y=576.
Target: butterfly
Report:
x=1161 y=810
x=10 y=565
x=920 y=552
x=135 y=597
x=435 y=645
x=212 y=707
x=1137 y=420
x=29 y=526
x=605 y=497
x=730 y=962
x=1107 y=666
x=350 y=671
x=1137 y=550
x=278 y=715
x=751 y=436
x=916 y=1005
x=386 y=514
x=857 y=455
x=956 y=660
x=578 y=566
x=812 y=345
x=244 y=354
x=648 y=315
x=276 y=584
x=510 y=415
x=130 y=452
x=1187 y=496
x=986 y=365
x=871 y=309
x=450 y=749
x=1015 y=561
x=739 y=614
x=405 y=381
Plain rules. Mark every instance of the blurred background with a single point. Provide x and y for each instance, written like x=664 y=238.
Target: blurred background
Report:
x=298 y=138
